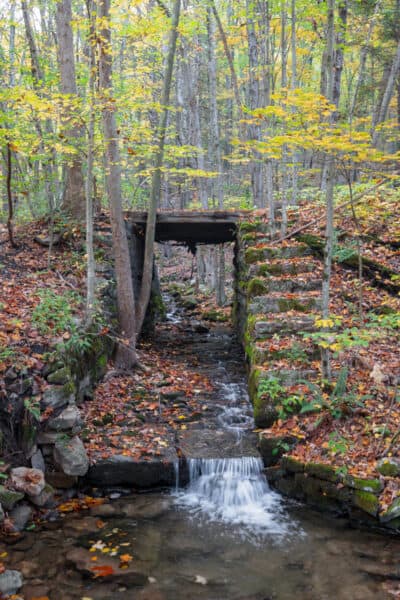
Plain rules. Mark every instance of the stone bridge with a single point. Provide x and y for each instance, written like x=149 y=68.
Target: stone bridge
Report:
x=277 y=293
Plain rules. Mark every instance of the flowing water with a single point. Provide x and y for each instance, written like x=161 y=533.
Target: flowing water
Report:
x=225 y=536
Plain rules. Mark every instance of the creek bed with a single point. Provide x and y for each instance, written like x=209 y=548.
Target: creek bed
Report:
x=226 y=536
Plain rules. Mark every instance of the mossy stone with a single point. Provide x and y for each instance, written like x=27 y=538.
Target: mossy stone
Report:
x=292 y=465
x=265 y=413
x=366 y=501
x=272 y=447
x=8 y=498
x=367 y=485
x=256 y=287
x=393 y=512
x=389 y=467
x=253 y=255
x=322 y=471
x=189 y=302
x=60 y=376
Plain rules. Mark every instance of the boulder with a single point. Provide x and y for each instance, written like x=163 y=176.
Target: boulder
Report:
x=57 y=396
x=9 y=498
x=69 y=417
x=29 y=481
x=10 y=582
x=131 y=575
x=71 y=456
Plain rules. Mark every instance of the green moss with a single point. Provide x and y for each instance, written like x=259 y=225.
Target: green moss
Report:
x=389 y=467
x=322 y=471
x=69 y=388
x=256 y=287
x=367 y=502
x=60 y=376
x=367 y=485
x=265 y=413
x=249 y=226
x=253 y=255
x=392 y=513
x=292 y=465
x=102 y=360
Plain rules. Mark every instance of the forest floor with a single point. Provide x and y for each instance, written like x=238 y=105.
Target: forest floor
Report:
x=353 y=430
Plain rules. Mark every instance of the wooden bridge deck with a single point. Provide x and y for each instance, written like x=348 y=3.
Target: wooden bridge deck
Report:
x=192 y=227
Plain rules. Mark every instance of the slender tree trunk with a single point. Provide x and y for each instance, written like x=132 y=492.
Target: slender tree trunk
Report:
x=126 y=352
x=363 y=60
x=388 y=93
x=215 y=153
x=38 y=82
x=10 y=224
x=330 y=171
x=90 y=262
x=156 y=180
x=74 y=192
x=293 y=43
x=254 y=101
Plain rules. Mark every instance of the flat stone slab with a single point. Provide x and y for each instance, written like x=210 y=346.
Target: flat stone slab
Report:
x=138 y=473
x=208 y=443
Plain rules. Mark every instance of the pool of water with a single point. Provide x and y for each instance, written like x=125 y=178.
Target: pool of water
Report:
x=181 y=554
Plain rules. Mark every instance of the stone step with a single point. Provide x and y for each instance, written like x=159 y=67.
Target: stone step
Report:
x=283 y=267
x=297 y=350
x=269 y=327
x=263 y=285
x=257 y=254
x=288 y=377
x=282 y=304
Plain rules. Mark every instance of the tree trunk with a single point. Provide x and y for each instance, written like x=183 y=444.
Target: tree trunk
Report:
x=90 y=261
x=126 y=352
x=156 y=179
x=74 y=192
x=388 y=93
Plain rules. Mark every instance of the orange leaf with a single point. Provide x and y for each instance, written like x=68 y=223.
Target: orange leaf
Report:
x=103 y=571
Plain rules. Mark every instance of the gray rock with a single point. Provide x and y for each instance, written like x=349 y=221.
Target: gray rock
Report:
x=56 y=397
x=10 y=374
x=20 y=516
x=45 y=498
x=389 y=466
x=1 y=514
x=67 y=419
x=71 y=456
x=37 y=461
x=10 y=582
x=48 y=437
x=29 y=481
x=8 y=498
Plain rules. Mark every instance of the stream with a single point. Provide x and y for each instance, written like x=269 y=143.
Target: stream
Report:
x=225 y=536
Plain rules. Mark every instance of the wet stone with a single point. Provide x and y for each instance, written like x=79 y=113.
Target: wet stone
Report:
x=10 y=582
x=28 y=481
x=216 y=444
x=21 y=516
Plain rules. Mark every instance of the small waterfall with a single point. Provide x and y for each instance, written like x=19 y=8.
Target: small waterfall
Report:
x=233 y=491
